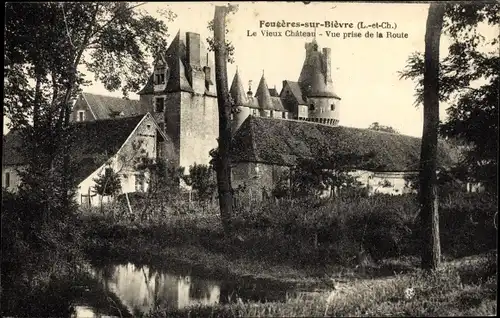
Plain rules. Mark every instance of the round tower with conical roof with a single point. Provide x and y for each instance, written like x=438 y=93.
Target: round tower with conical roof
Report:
x=316 y=85
x=241 y=100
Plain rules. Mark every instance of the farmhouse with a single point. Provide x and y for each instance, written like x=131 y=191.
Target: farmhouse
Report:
x=265 y=148
x=96 y=147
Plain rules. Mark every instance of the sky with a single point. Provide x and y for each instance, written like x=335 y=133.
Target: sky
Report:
x=364 y=70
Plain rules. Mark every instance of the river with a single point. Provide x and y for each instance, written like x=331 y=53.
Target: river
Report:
x=132 y=290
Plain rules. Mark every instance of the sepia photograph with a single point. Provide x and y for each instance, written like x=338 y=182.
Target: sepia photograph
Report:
x=250 y=159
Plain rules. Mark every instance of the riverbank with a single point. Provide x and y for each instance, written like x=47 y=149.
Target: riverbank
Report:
x=465 y=287
x=363 y=250
x=293 y=244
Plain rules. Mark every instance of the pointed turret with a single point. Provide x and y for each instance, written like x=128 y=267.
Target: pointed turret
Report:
x=237 y=91
x=263 y=95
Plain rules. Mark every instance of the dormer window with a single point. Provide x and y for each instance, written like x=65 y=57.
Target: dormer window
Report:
x=160 y=75
x=159 y=104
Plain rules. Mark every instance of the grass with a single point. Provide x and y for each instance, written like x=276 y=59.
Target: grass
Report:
x=292 y=245
x=295 y=243
x=449 y=291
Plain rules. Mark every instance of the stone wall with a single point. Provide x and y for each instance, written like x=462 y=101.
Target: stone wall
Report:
x=258 y=176
x=199 y=128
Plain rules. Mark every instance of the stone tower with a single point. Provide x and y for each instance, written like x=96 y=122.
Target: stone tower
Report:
x=316 y=85
x=182 y=97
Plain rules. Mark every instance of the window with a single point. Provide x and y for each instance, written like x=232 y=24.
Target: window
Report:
x=160 y=75
x=271 y=113
x=254 y=112
x=7 y=179
x=81 y=115
x=332 y=107
x=160 y=104
x=283 y=115
x=311 y=106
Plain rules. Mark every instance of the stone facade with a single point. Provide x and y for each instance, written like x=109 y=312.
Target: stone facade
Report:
x=182 y=97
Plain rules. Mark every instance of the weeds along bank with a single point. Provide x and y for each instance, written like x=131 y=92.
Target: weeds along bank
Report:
x=348 y=231
x=466 y=287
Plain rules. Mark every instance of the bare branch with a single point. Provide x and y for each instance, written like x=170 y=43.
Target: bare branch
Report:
x=66 y=26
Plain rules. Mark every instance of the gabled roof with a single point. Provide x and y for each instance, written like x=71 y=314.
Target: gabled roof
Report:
x=93 y=143
x=11 y=141
x=295 y=90
x=284 y=142
x=104 y=107
x=277 y=104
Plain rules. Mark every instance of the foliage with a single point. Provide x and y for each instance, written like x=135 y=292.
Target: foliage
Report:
x=46 y=45
x=229 y=46
x=35 y=256
x=378 y=127
x=108 y=183
x=320 y=174
x=202 y=179
x=469 y=80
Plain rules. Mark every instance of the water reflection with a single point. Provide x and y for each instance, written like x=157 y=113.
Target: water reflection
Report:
x=141 y=289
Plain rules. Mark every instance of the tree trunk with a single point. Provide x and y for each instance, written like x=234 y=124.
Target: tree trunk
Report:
x=223 y=167
x=429 y=217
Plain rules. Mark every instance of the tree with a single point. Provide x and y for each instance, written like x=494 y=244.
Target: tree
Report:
x=429 y=217
x=311 y=176
x=201 y=179
x=378 y=127
x=469 y=81
x=46 y=45
x=222 y=159
x=107 y=184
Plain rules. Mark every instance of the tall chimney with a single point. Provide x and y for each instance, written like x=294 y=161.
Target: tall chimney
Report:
x=327 y=64
x=193 y=48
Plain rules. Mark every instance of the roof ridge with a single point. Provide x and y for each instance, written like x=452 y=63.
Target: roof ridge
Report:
x=108 y=96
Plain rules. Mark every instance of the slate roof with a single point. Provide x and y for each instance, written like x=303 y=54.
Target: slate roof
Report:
x=263 y=95
x=237 y=91
x=104 y=106
x=11 y=141
x=296 y=92
x=273 y=92
x=93 y=143
x=284 y=142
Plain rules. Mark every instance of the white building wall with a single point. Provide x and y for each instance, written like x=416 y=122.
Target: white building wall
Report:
x=141 y=143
